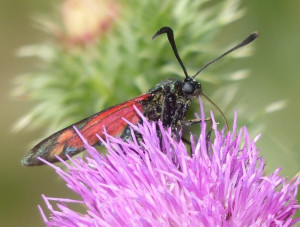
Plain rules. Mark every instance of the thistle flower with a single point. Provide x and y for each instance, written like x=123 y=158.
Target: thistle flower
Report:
x=157 y=183
x=85 y=21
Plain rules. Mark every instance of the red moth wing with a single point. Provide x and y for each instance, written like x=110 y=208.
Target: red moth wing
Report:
x=66 y=141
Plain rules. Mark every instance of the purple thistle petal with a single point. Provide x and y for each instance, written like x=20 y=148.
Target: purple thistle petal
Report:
x=157 y=183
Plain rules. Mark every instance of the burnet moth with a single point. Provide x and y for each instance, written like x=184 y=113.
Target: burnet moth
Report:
x=168 y=101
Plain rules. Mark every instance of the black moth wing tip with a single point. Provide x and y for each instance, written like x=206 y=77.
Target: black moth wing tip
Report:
x=31 y=159
x=28 y=161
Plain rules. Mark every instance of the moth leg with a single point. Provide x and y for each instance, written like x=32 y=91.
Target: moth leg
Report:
x=177 y=134
x=195 y=121
x=186 y=141
x=175 y=119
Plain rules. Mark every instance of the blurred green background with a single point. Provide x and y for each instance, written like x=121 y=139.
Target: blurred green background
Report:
x=274 y=76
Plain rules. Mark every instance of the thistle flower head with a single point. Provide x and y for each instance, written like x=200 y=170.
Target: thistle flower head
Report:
x=157 y=183
x=84 y=21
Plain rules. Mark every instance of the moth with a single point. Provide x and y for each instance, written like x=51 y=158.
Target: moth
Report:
x=168 y=101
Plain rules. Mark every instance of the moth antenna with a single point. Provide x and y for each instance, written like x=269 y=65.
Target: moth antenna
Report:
x=223 y=116
x=170 y=35
x=245 y=42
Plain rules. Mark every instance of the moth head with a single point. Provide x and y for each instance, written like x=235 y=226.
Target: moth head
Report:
x=191 y=87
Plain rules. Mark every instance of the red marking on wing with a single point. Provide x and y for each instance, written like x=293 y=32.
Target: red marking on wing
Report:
x=111 y=119
x=62 y=139
x=66 y=141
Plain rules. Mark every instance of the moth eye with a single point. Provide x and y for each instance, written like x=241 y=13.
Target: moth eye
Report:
x=188 y=88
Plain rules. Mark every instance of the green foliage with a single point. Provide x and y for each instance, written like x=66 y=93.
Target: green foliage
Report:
x=75 y=82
